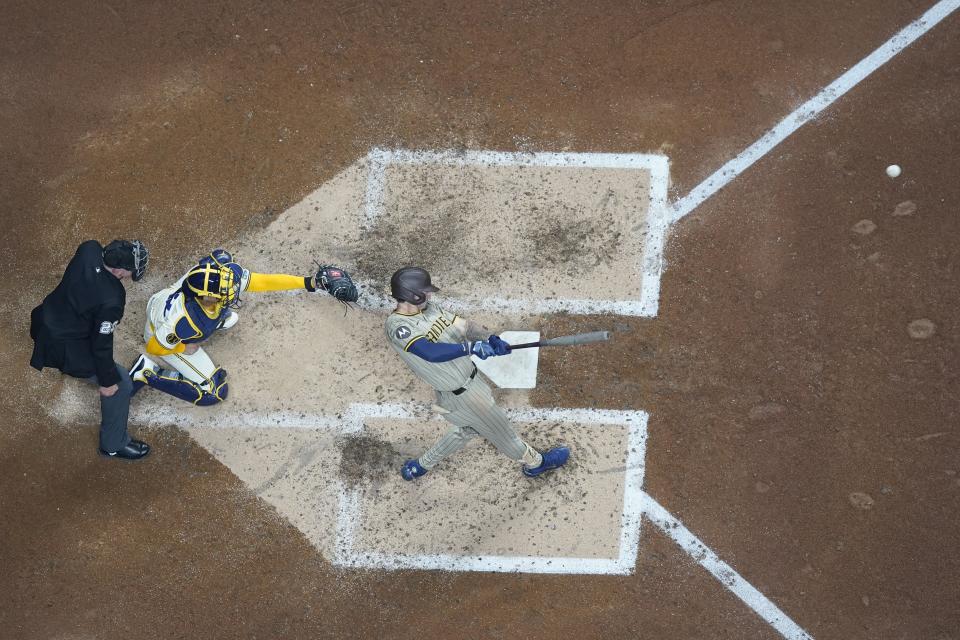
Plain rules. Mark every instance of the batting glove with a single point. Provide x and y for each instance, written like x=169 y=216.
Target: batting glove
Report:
x=500 y=346
x=482 y=349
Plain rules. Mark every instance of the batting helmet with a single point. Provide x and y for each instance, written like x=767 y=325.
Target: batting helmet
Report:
x=123 y=254
x=411 y=284
x=214 y=281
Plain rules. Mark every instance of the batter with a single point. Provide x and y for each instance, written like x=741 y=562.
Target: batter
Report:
x=436 y=345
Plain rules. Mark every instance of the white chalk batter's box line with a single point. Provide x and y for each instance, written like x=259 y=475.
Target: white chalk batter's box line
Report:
x=658 y=219
x=349 y=512
x=349 y=421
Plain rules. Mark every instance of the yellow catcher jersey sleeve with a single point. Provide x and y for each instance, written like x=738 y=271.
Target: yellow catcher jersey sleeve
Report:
x=275 y=282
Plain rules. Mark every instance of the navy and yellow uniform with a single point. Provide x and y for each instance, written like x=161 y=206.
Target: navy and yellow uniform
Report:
x=189 y=312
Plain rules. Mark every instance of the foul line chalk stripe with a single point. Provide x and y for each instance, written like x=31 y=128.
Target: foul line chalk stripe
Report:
x=812 y=108
x=723 y=572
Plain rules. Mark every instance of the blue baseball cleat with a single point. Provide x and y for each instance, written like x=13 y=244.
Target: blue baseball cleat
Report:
x=553 y=459
x=412 y=469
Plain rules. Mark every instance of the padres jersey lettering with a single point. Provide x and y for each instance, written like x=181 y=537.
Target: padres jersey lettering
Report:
x=435 y=324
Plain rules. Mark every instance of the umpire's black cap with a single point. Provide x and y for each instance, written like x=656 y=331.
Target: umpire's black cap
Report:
x=124 y=254
x=411 y=284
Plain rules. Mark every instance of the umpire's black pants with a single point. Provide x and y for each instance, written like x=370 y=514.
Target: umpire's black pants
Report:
x=114 y=411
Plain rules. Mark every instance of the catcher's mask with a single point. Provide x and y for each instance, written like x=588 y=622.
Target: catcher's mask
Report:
x=214 y=281
x=411 y=284
x=123 y=254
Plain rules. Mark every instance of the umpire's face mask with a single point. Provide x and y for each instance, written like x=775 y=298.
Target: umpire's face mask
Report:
x=132 y=256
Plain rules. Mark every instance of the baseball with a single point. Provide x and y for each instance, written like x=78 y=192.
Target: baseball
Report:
x=893 y=170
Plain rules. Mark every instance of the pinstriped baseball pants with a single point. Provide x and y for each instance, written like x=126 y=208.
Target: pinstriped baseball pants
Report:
x=475 y=413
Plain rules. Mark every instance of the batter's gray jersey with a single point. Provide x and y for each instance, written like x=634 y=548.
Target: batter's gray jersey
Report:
x=436 y=325
x=465 y=400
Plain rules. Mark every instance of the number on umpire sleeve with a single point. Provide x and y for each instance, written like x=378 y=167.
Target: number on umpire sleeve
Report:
x=106 y=328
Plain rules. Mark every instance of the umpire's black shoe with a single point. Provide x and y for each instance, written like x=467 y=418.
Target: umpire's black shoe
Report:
x=133 y=451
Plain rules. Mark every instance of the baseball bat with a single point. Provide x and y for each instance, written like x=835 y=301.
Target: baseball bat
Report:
x=566 y=341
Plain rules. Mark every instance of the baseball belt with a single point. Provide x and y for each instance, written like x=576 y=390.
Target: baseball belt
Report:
x=473 y=375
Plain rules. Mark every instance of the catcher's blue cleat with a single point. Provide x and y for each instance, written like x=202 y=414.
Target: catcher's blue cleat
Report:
x=412 y=469
x=553 y=459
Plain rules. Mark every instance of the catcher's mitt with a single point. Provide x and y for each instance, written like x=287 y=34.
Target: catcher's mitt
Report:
x=337 y=283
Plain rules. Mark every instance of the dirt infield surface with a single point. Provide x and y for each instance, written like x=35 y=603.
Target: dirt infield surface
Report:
x=799 y=375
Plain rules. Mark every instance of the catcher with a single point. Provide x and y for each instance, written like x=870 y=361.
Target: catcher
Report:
x=203 y=301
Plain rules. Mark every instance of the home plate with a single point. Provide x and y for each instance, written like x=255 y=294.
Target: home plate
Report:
x=518 y=369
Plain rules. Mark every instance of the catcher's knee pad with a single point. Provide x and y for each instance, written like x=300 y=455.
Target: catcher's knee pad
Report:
x=210 y=392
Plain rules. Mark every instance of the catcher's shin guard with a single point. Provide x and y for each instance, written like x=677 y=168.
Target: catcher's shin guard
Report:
x=218 y=389
x=213 y=391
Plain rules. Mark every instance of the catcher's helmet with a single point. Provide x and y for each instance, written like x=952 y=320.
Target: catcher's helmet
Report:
x=220 y=257
x=411 y=284
x=123 y=254
x=215 y=281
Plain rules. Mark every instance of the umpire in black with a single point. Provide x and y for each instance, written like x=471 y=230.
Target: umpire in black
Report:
x=72 y=331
